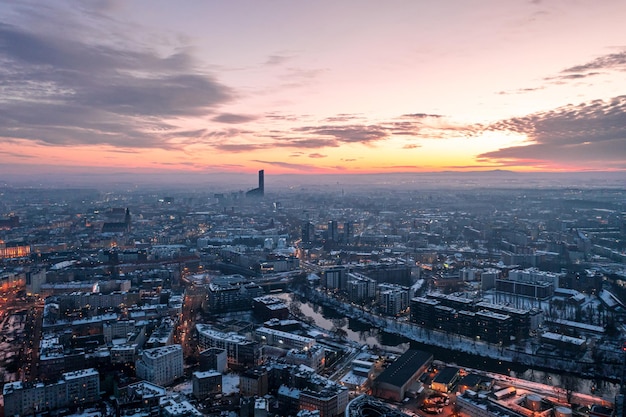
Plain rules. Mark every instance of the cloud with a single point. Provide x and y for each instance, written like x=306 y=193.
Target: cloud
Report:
x=343 y=118
x=16 y=155
x=348 y=134
x=455 y=167
x=599 y=66
x=522 y=90
x=273 y=60
x=586 y=134
x=337 y=131
x=317 y=155
x=296 y=167
x=421 y=115
x=67 y=90
x=411 y=146
x=606 y=62
x=233 y=118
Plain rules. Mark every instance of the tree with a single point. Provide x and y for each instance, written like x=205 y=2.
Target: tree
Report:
x=340 y=333
x=569 y=383
x=294 y=308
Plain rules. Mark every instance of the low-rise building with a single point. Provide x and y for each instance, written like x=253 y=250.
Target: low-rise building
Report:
x=394 y=382
x=206 y=383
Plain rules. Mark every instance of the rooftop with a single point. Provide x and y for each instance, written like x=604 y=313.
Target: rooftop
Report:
x=403 y=368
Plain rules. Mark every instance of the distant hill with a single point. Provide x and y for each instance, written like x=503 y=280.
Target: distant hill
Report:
x=53 y=177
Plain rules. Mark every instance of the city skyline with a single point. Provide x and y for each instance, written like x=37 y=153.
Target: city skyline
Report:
x=312 y=88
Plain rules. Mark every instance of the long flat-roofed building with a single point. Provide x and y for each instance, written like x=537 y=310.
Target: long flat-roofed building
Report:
x=73 y=389
x=284 y=339
x=394 y=382
x=422 y=311
x=240 y=352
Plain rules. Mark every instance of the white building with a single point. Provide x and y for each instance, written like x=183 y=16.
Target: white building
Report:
x=161 y=365
x=283 y=339
x=393 y=298
x=313 y=357
x=124 y=353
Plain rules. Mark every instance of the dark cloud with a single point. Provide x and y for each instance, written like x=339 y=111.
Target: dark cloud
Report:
x=233 y=118
x=277 y=59
x=611 y=61
x=241 y=147
x=578 y=76
x=64 y=91
x=348 y=134
x=335 y=134
x=411 y=146
x=343 y=118
x=16 y=155
x=278 y=142
x=521 y=90
x=317 y=155
x=284 y=117
x=421 y=115
x=601 y=65
x=592 y=133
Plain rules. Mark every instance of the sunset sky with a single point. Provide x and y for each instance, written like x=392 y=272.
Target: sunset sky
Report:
x=312 y=86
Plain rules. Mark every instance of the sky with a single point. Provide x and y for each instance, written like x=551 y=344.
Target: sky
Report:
x=312 y=87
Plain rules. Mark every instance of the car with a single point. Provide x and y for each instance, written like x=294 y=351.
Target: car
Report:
x=439 y=400
x=432 y=409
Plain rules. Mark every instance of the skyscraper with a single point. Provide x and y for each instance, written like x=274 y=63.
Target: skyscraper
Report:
x=260 y=190
x=262 y=181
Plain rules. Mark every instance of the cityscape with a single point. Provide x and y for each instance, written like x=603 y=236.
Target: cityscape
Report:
x=435 y=296
x=354 y=208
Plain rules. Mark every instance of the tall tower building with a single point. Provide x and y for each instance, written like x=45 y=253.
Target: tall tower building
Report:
x=308 y=232
x=262 y=182
x=333 y=231
x=260 y=190
x=348 y=232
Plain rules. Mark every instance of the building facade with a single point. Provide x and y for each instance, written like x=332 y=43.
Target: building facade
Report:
x=161 y=365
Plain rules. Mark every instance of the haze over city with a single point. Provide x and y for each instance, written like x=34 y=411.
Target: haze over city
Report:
x=347 y=87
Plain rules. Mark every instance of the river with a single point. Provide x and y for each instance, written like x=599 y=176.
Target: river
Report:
x=329 y=319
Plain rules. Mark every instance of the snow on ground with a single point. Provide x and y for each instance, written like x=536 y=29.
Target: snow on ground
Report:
x=87 y=413
x=230 y=383
x=185 y=388
x=418 y=285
